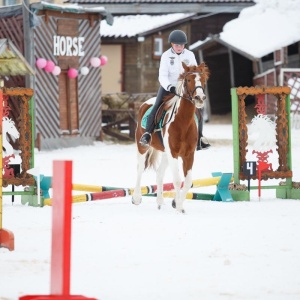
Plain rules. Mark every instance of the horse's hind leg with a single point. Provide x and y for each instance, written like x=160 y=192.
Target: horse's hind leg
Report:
x=159 y=180
x=137 y=194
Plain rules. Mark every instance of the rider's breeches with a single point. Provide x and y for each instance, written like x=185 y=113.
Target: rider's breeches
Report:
x=159 y=100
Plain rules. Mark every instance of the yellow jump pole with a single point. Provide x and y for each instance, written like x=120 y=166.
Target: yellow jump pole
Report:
x=95 y=188
x=6 y=236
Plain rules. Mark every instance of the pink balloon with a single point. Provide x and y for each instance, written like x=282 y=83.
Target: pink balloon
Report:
x=56 y=71
x=72 y=73
x=104 y=60
x=41 y=63
x=95 y=62
x=49 y=66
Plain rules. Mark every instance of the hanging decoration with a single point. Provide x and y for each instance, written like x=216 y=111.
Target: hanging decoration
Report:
x=56 y=71
x=50 y=67
x=84 y=71
x=95 y=62
x=104 y=60
x=72 y=73
x=41 y=63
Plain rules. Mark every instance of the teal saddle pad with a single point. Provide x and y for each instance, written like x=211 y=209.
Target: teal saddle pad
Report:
x=159 y=125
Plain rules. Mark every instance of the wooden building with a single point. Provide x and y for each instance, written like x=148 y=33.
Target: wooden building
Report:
x=132 y=52
x=136 y=56
x=67 y=108
x=233 y=67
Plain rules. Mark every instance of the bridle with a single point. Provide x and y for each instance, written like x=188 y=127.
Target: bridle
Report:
x=189 y=98
x=190 y=94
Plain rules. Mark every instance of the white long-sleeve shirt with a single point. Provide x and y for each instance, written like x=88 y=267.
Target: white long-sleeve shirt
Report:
x=171 y=66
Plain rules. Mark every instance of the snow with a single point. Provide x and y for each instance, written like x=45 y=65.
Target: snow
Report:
x=240 y=250
x=133 y=25
x=265 y=27
x=217 y=250
x=259 y=30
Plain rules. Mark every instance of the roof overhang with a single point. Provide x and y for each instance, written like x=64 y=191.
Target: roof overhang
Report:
x=12 y=62
x=213 y=40
x=74 y=8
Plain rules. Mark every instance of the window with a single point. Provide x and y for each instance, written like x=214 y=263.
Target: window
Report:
x=157 y=47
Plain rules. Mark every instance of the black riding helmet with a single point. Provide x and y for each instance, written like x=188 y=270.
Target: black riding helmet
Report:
x=177 y=37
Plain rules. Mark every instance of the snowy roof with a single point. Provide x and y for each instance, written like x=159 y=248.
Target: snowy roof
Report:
x=156 y=1
x=262 y=28
x=134 y=25
x=73 y=8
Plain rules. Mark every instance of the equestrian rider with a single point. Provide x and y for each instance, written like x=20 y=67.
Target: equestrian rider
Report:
x=169 y=70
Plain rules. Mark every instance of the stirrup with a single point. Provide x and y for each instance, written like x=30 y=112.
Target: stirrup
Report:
x=145 y=139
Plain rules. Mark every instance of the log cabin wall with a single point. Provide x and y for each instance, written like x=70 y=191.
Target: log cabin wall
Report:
x=140 y=66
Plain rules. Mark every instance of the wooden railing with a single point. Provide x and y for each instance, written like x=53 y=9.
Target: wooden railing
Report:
x=119 y=114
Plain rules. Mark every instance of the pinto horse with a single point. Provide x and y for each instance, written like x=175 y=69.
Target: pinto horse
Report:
x=178 y=138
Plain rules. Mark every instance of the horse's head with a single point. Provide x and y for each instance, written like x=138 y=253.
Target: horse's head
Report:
x=10 y=128
x=194 y=79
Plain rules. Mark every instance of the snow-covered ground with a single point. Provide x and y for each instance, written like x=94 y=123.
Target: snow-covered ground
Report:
x=239 y=250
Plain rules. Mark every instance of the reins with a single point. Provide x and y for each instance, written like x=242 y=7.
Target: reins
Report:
x=190 y=95
x=189 y=98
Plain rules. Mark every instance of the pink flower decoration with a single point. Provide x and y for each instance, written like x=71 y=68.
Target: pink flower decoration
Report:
x=41 y=63
x=49 y=66
x=72 y=73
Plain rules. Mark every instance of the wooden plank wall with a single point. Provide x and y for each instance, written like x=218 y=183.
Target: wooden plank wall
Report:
x=89 y=86
x=46 y=85
x=48 y=122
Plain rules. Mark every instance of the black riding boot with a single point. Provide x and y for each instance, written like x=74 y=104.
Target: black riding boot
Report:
x=201 y=145
x=146 y=137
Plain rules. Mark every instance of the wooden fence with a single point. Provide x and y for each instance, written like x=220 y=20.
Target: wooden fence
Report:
x=119 y=114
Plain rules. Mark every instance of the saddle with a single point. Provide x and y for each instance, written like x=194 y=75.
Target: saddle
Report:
x=160 y=117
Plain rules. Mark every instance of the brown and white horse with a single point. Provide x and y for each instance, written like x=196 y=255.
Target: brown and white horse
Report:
x=179 y=135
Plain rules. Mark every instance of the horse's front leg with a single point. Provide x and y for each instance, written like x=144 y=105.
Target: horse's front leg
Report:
x=159 y=180
x=137 y=194
x=177 y=203
x=188 y=180
x=187 y=164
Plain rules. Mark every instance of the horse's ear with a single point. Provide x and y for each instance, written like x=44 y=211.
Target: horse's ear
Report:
x=184 y=66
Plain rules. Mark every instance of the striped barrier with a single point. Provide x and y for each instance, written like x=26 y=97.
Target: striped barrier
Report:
x=107 y=192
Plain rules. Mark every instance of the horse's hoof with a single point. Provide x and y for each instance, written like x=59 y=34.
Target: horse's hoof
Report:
x=136 y=203
x=173 y=203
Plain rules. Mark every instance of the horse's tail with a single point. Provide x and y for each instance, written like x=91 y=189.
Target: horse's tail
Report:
x=152 y=158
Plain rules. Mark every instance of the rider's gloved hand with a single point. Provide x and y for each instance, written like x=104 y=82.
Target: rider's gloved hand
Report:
x=173 y=90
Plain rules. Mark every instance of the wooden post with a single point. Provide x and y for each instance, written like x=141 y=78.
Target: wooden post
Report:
x=7 y=239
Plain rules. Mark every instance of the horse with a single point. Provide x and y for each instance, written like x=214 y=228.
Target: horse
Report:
x=9 y=128
x=179 y=135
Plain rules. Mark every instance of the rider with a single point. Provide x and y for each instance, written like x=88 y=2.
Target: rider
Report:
x=169 y=70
